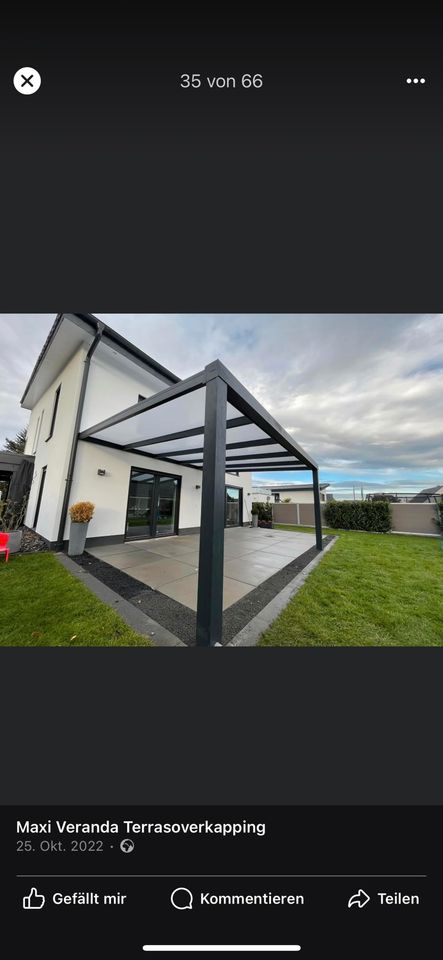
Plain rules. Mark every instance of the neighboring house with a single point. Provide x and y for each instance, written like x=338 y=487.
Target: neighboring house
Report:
x=83 y=377
x=261 y=495
x=429 y=495
x=297 y=493
x=16 y=471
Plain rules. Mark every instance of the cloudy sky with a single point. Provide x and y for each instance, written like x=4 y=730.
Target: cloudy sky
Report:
x=363 y=392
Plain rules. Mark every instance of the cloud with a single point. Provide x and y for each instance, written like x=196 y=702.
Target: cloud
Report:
x=362 y=393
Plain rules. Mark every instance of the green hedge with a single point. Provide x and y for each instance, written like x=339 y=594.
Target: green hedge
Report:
x=373 y=515
x=264 y=511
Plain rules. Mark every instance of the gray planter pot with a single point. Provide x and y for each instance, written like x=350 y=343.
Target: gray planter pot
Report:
x=15 y=540
x=254 y=520
x=77 y=539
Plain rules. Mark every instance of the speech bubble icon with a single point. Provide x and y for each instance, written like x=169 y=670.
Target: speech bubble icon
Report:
x=181 y=898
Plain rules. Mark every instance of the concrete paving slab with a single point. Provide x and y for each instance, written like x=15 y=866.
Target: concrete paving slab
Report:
x=164 y=571
x=192 y=557
x=131 y=559
x=247 y=571
x=107 y=550
x=274 y=561
x=289 y=550
x=233 y=550
x=171 y=549
x=185 y=591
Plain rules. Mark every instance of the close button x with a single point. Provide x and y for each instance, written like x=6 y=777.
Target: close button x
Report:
x=27 y=80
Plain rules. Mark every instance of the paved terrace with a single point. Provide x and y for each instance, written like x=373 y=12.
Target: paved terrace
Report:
x=170 y=565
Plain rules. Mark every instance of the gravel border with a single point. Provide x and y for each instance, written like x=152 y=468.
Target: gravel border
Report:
x=131 y=614
x=180 y=620
x=32 y=542
x=177 y=618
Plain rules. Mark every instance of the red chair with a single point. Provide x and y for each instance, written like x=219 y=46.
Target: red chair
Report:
x=4 y=539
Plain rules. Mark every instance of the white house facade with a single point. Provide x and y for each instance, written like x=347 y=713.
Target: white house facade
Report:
x=80 y=379
x=262 y=495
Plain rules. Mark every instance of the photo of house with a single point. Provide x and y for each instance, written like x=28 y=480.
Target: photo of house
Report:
x=141 y=507
x=156 y=458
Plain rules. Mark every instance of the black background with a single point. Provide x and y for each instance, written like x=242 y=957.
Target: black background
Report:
x=214 y=726
x=321 y=192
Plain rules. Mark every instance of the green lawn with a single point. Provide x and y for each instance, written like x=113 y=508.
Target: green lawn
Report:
x=41 y=604
x=370 y=589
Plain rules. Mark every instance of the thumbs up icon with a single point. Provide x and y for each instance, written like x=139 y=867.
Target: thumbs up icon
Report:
x=34 y=900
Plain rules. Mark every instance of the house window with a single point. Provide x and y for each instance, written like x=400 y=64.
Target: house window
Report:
x=40 y=494
x=5 y=479
x=54 y=412
x=277 y=498
x=37 y=430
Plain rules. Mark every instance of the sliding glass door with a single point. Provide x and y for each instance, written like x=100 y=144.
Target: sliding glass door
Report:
x=152 y=505
x=166 y=500
x=141 y=498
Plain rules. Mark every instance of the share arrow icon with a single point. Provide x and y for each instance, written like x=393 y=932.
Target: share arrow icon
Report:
x=359 y=899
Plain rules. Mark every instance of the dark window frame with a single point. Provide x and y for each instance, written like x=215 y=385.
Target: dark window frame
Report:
x=232 y=486
x=40 y=495
x=6 y=477
x=153 y=524
x=54 y=412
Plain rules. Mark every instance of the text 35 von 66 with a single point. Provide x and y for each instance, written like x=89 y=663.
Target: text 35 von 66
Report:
x=248 y=81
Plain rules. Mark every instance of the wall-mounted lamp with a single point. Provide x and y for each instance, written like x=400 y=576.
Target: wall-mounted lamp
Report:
x=249 y=494
x=197 y=486
x=101 y=473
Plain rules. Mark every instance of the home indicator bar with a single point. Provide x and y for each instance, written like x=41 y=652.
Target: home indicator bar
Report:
x=221 y=948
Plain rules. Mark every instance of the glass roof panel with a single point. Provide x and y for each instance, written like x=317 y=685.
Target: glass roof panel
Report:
x=181 y=413
x=176 y=425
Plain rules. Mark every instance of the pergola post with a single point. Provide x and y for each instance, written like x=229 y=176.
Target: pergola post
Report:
x=212 y=523
x=317 y=510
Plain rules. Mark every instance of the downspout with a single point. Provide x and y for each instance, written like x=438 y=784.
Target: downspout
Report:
x=73 y=454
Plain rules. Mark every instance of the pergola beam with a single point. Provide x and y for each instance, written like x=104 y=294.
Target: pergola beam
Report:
x=182 y=434
x=260 y=468
x=277 y=458
x=262 y=456
x=241 y=444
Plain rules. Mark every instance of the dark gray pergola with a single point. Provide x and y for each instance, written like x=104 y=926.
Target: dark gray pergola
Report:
x=211 y=422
